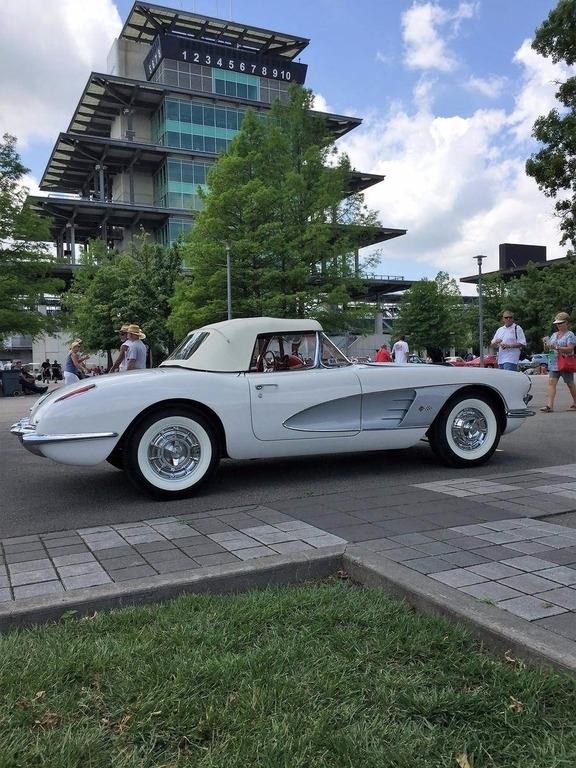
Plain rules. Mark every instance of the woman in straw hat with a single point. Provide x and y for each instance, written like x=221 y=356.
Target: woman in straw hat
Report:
x=73 y=367
x=562 y=341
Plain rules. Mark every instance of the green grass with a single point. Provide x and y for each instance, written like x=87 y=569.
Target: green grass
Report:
x=322 y=674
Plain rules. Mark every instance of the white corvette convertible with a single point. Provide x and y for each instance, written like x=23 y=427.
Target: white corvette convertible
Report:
x=265 y=387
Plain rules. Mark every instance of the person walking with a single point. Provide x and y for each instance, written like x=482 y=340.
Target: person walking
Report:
x=136 y=355
x=46 y=371
x=400 y=350
x=73 y=367
x=562 y=341
x=509 y=339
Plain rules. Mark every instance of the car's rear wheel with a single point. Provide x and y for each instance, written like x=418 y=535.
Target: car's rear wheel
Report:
x=171 y=453
x=466 y=432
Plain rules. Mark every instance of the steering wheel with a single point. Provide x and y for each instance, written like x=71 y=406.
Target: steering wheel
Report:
x=269 y=361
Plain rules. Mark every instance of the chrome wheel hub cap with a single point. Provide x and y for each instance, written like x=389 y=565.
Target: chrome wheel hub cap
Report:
x=469 y=429
x=174 y=453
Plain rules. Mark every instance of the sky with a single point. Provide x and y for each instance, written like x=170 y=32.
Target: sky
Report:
x=447 y=90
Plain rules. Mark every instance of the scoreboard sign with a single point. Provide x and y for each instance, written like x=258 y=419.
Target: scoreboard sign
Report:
x=222 y=57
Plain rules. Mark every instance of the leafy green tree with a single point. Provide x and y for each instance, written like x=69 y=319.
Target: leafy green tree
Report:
x=115 y=288
x=431 y=314
x=277 y=198
x=554 y=166
x=25 y=261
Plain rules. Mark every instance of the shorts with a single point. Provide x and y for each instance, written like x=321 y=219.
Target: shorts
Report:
x=566 y=376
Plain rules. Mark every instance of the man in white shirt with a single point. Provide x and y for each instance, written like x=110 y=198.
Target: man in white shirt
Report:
x=509 y=339
x=400 y=350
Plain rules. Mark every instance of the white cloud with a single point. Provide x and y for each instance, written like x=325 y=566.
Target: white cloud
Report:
x=535 y=97
x=491 y=87
x=458 y=184
x=51 y=47
x=424 y=47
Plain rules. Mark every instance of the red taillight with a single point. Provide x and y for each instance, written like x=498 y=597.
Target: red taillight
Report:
x=80 y=391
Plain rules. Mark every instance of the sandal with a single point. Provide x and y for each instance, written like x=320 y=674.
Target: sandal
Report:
x=572 y=408
x=547 y=409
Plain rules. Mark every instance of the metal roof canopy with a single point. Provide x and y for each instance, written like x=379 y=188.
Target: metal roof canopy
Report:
x=89 y=216
x=105 y=95
x=103 y=99
x=74 y=158
x=376 y=287
x=147 y=20
x=510 y=274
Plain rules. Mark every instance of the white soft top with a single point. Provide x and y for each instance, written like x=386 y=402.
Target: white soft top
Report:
x=230 y=343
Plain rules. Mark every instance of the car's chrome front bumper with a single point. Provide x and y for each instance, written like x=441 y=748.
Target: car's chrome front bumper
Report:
x=32 y=442
x=519 y=413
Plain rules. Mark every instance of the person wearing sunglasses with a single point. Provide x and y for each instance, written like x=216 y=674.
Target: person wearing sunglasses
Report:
x=562 y=340
x=121 y=362
x=509 y=340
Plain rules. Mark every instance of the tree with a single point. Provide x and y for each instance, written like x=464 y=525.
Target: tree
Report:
x=113 y=288
x=25 y=261
x=554 y=166
x=431 y=314
x=276 y=198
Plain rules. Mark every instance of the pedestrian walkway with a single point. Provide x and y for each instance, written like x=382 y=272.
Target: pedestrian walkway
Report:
x=481 y=538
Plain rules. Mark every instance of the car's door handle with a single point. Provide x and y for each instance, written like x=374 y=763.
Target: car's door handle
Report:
x=261 y=386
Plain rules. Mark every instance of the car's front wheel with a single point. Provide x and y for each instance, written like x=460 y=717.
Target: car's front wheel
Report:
x=171 y=453
x=466 y=432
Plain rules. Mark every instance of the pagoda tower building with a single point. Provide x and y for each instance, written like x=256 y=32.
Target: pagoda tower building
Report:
x=143 y=136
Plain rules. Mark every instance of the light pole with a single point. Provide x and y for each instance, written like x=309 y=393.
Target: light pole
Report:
x=480 y=314
x=228 y=280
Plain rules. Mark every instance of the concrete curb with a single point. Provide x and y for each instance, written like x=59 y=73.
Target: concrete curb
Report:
x=220 y=579
x=499 y=631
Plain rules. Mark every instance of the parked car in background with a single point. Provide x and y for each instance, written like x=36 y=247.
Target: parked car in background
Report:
x=534 y=363
x=416 y=359
x=490 y=361
x=455 y=360
x=263 y=387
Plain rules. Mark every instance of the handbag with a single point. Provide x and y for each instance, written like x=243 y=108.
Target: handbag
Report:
x=567 y=363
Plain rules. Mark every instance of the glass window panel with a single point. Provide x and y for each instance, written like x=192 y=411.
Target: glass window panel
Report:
x=187 y=173
x=208 y=115
x=172 y=139
x=172 y=109
x=174 y=170
x=186 y=140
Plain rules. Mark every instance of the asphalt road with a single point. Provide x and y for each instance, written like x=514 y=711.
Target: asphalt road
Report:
x=39 y=496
